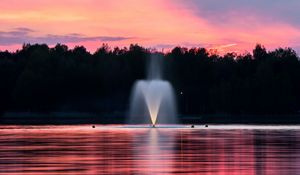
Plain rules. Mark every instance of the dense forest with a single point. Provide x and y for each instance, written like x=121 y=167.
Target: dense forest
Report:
x=42 y=79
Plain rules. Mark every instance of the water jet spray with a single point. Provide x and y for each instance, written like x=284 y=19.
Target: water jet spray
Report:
x=153 y=100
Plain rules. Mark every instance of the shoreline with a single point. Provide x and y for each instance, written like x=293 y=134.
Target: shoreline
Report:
x=73 y=118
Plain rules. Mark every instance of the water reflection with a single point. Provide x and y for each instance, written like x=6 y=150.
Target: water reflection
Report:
x=155 y=151
x=111 y=150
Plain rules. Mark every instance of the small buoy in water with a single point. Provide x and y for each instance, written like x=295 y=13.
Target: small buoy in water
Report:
x=192 y=126
x=206 y=126
x=93 y=126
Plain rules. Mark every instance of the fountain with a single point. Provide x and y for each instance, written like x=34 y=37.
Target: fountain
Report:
x=152 y=100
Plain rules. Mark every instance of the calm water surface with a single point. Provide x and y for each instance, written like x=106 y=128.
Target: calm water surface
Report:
x=81 y=149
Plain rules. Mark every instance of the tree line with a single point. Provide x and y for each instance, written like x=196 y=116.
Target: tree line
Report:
x=38 y=78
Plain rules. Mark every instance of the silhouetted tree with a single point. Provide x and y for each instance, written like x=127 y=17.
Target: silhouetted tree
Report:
x=39 y=78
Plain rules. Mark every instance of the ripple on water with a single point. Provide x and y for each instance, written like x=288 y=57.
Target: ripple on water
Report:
x=119 y=149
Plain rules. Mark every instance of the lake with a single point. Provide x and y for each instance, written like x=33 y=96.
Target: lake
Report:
x=121 y=149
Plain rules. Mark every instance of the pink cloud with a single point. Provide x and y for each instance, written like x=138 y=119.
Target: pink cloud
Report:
x=151 y=23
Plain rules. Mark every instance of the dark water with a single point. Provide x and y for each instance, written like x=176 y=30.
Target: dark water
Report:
x=118 y=150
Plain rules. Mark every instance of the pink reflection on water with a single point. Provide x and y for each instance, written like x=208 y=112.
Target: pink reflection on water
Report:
x=114 y=150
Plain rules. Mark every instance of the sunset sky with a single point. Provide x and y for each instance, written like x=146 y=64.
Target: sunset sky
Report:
x=235 y=25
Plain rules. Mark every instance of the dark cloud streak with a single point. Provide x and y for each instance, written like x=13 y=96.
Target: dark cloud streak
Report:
x=24 y=35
